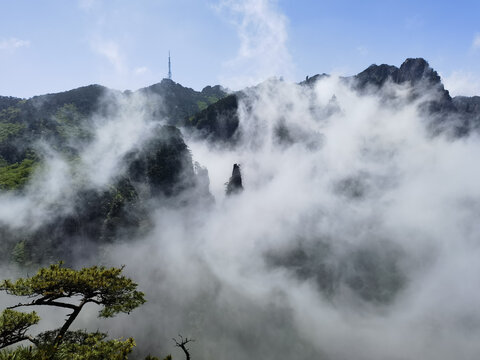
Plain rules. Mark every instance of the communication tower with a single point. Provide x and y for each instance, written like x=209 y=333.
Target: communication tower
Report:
x=169 y=67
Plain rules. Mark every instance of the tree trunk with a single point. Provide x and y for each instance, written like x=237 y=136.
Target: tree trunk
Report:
x=64 y=329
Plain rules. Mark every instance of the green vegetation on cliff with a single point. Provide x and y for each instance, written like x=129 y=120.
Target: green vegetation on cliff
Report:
x=218 y=121
x=15 y=176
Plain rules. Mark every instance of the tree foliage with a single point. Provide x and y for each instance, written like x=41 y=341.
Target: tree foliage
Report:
x=81 y=345
x=218 y=121
x=63 y=287
x=99 y=285
x=16 y=175
x=14 y=325
x=77 y=345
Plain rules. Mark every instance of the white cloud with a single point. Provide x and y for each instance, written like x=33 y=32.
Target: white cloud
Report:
x=13 y=43
x=116 y=66
x=462 y=83
x=111 y=51
x=420 y=194
x=263 y=52
x=352 y=176
x=476 y=41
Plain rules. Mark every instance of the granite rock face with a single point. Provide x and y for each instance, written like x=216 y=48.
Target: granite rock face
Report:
x=412 y=71
x=376 y=75
x=219 y=122
x=234 y=185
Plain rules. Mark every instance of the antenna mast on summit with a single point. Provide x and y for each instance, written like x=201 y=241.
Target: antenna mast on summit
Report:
x=169 y=67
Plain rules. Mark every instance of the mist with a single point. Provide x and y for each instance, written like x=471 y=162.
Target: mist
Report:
x=355 y=236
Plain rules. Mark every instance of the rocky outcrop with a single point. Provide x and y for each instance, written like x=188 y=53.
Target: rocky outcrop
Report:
x=163 y=163
x=234 y=185
x=218 y=122
x=311 y=80
x=375 y=75
x=412 y=71
x=444 y=115
x=467 y=105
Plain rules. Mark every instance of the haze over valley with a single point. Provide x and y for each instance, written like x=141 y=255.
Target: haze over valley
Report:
x=334 y=217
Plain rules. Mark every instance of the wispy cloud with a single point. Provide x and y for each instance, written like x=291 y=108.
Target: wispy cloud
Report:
x=476 y=41
x=13 y=43
x=110 y=50
x=462 y=83
x=262 y=31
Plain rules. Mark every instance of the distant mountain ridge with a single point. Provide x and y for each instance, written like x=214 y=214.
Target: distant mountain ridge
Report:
x=160 y=168
x=61 y=116
x=211 y=112
x=412 y=70
x=179 y=102
x=154 y=180
x=415 y=72
x=421 y=77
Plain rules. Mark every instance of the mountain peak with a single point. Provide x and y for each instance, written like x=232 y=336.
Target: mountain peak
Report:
x=166 y=81
x=376 y=75
x=414 y=70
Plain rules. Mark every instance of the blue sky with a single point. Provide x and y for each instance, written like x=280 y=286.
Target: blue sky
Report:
x=55 y=45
